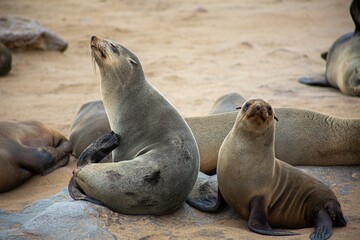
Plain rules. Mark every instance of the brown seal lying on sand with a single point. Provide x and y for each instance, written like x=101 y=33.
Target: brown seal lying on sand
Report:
x=28 y=148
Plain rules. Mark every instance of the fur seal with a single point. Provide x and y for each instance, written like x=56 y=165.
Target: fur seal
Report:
x=265 y=190
x=342 y=60
x=5 y=60
x=28 y=148
x=156 y=164
x=90 y=123
x=227 y=103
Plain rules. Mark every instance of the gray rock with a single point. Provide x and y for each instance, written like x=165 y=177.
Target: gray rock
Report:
x=58 y=216
x=23 y=33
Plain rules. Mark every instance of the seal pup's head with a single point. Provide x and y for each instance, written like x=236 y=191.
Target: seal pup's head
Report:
x=114 y=59
x=256 y=115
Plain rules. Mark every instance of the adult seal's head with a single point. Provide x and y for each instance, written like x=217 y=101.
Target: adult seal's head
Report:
x=155 y=157
x=342 y=60
x=265 y=190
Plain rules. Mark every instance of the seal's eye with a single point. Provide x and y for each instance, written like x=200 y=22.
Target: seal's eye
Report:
x=269 y=109
x=132 y=61
x=114 y=49
x=246 y=107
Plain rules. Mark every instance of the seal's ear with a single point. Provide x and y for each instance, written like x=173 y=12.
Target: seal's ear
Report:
x=238 y=108
x=132 y=61
x=355 y=14
x=276 y=118
x=324 y=55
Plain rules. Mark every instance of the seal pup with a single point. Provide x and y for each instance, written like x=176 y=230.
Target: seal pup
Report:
x=28 y=148
x=156 y=164
x=265 y=190
x=343 y=60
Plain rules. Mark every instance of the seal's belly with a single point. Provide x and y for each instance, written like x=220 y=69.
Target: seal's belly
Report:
x=296 y=197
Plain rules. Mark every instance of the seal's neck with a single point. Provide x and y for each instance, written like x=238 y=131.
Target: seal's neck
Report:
x=260 y=143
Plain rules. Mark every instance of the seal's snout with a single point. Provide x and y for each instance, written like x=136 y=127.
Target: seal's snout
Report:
x=92 y=38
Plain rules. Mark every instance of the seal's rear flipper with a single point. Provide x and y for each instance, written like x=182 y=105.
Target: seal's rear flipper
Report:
x=258 y=220
x=99 y=149
x=207 y=203
x=205 y=195
x=77 y=194
x=313 y=82
x=333 y=209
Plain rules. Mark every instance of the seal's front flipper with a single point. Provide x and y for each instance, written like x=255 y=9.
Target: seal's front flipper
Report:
x=77 y=194
x=314 y=82
x=99 y=149
x=205 y=195
x=258 y=220
x=323 y=226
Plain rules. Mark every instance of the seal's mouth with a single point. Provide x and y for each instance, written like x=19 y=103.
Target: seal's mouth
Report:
x=96 y=48
x=259 y=116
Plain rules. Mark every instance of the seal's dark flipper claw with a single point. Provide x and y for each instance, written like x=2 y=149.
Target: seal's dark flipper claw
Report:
x=77 y=194
x=258 y=220
x=99 y=149
x=207 y=203
x=313 y=82
x=323 y=226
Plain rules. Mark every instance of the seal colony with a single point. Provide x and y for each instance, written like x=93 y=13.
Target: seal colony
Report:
x=156 y=164
x=28 y=148
x=263 y=189
x=343 y=60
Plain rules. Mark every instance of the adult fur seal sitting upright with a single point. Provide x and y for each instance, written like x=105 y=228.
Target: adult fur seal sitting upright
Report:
x=28 y=148
x=157 y=162
x=343 y=60
x=263 y=189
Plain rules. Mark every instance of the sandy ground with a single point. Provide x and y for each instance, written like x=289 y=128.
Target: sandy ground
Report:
x=192 y=51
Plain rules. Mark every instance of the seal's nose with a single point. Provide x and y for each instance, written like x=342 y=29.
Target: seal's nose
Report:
x=258 y=107
x=93 y=38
